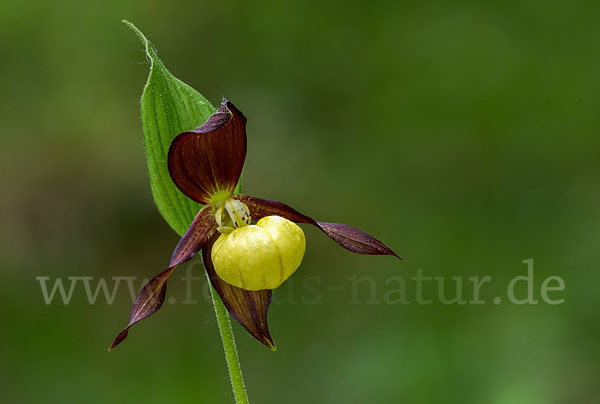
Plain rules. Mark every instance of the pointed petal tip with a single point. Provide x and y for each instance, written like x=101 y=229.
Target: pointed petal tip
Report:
x=399 y=257
x=268 y=342
x=262 y=336
x=233 y=110
x=118 y=339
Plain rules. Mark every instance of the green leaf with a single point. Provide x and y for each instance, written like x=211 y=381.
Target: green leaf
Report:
x=169 y=107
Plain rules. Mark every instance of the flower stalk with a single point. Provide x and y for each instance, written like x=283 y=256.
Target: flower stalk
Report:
x=231 y=353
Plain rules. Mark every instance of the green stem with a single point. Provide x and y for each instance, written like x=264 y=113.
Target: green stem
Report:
x=231 y=353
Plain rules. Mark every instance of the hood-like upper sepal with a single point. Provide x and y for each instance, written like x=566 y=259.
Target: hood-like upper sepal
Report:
x=349 y=237
x=210 y=158
x=248 y=307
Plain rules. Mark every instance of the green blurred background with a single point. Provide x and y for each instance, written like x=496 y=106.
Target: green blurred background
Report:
x=464 y=135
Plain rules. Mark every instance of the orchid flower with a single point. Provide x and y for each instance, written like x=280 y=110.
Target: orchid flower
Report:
x=244 y=262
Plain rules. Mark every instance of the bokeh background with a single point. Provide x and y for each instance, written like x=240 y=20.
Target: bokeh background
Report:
x=464 y=135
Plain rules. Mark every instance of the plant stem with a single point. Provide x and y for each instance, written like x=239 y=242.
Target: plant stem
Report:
x=231 y=353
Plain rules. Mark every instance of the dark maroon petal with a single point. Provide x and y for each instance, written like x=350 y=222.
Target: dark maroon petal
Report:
x=356 y=240
x=200 y=231
x=248 y=307
x=348 y=237
x=210 y=158
x=147 y=302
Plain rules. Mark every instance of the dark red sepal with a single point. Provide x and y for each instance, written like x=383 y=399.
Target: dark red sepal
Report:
x=349 y=237
x=248 y=307
x=147 y=302
x=210 y=158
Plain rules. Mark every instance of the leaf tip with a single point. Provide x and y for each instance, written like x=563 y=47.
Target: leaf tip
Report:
x=150 y=51
x=135 y=29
